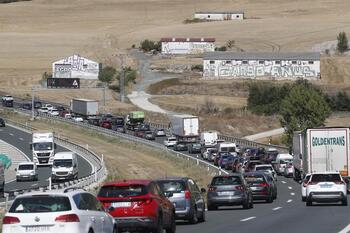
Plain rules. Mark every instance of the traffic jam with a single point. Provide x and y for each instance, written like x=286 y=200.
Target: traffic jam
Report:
x=319 y=162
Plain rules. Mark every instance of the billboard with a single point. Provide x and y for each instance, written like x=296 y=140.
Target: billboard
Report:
x=63 y=83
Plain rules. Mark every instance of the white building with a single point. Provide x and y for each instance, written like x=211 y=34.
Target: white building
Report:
x=228 y=65
x=239 y=15
x=75 y=67
x=187 y=45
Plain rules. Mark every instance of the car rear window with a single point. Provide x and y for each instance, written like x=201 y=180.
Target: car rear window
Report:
x=172 y=186
x=123 y=191
x=226 y=180
x=26 y=167
x=251 y=179
x=325 y=178
x=40 y=204
x=259 y=168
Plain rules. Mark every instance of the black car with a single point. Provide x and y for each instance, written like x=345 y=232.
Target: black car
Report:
x=2 y=122
x=37 y=104
x=180 y=147
x=94 y=121
x=260 y=186
x=149 y=135
x=186 y=197
x=60 y=108
x=27 y=106
x=229 y=190
x=195 y=148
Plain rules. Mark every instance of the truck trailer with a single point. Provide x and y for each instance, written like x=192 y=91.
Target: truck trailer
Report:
x=84 y=107
x=321 y=150
x=185 y=128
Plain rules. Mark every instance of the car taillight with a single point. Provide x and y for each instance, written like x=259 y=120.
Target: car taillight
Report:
x=240 y=188
x=67 y=218
x=212 y=189
x=187 y=195
x=264 y=185
x=10 y=220
x=144 y=202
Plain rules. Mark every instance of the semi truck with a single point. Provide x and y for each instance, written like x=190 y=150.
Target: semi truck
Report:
x=185 y=128
x=43 y=148
x=321 y=150
x=84 y=107
x=134 y=119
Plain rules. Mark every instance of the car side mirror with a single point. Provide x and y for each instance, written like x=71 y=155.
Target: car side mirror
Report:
x=31 y=146
x=203 y=190
x=15 y=169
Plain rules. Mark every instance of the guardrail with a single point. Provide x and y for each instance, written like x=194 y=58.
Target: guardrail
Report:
x=99 y=171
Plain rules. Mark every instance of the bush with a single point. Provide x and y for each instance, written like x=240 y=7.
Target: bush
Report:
x=339 y=102
x=130 y=75
x=149 y=45
x=222 y=48
x=114 y=87
x=197 y=68
x=107 y=74
x=342 y=45
x=209 y=107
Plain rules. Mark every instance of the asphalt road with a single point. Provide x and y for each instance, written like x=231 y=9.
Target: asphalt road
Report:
x=22 y=140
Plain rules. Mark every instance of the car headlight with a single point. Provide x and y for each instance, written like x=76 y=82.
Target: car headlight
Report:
x=32 y=172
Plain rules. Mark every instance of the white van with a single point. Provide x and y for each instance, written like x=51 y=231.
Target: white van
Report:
x=226 y=147
x=281 y=161
x=65 y=166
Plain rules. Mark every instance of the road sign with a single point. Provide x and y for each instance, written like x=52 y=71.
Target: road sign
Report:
x=63 y=83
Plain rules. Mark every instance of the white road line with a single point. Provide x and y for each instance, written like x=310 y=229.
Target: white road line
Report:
x=34 y=185
x=247 y=219
x=21 y=139
x=289 y=187
x=292 y=194
x=289 y=201
x=11 y=134
x=345 y=230
x=283 y=182
x=277 y=208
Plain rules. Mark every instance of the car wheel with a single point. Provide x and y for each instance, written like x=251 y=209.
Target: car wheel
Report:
x=308 y=203
x=91 y=231
x=270 y=199
x=344 y=202
x=212 y=207
x=303 y=199
x=115 y=229
x=246 y=204
x=159 y=228
x=251 y=205
x=172 y=227
x=194 y=216
x=202 y=217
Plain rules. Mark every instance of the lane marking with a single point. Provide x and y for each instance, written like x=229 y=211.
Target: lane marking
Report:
x=283 y=182
x=34 y=185
x=21 y=139
x=247 y=219
x=345 y=230
x=289 y=201
x=11 y=134
x=289 y=187
x=277 y=208
x=292 y=194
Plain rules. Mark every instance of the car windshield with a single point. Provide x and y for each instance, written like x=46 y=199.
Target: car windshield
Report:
x=227 y=149
x=123 y=191
x=325 y=178
x=252 y=179
x=226 y=180
x=172 y=186
x=172 y=139
x=118 y=121
x=196 y=146
x=40 y=204
x=26 y=167
x=263 y=168
x=42 y=146
x=62 y=163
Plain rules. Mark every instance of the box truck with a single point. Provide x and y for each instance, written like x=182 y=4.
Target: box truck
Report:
x=321 y=150
x=43 y=148
x=84 y=107
x=185 y=128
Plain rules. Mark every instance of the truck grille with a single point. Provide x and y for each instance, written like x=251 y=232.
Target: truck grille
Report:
x=43 y=154
x=61 y=173
x=43 y=161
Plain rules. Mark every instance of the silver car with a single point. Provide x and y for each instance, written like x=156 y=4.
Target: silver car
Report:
x=186 y=197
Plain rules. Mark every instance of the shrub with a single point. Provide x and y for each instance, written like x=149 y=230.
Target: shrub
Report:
x=209 y=107
x=107 y=74
x=197 y=68
x=130 y=75
x=149 y=45
x=222 y=48
x=342 y=45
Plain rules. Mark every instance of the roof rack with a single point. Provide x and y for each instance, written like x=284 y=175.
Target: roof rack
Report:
x=72 y=189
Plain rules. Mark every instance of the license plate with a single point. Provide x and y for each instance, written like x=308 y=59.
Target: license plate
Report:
x=37 y=229
x=226 y=193
x=121 y=204
x=326 y=186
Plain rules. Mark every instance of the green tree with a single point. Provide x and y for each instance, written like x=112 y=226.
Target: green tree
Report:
x=304 y=107
x=130 y=75
x=107 y=74
x=342 y=45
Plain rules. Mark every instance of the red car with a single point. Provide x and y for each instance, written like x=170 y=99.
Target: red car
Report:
x=138 y=205
x=106 y=124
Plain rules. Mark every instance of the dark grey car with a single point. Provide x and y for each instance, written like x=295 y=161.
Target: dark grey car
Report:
x=186 y=197
x=229 y=190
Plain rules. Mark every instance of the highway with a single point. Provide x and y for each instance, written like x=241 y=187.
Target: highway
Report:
x=22 y=140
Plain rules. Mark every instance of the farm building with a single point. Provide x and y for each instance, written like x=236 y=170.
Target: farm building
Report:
x=226 y=65
x=187 y=45
x=75 y=66
x=239 y=15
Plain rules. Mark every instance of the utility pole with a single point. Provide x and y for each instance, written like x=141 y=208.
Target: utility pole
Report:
x=33 y=97
x=122 y=81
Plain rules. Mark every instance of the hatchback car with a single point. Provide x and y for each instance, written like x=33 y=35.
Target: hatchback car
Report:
x=259 y=184
x=149 y=135
x=288 y=170
x=186 y=197
x=212 y=154
x=159 y=133
x=138 y=205
x=229 y=191
x=326 y=187
x=2 y=122
x=304 y=185
x=71 y=210
x=224 y=158
x=180 y=147
x=266 y=168
x=194 y=148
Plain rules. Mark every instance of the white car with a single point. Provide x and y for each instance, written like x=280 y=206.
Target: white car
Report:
x=71 y=210
x=159 y=133
x=267 y=168
x=288 y=170
x=304 y=184
x=26 y=171
x=326 y=187
x=43 y=110
x=50 y=107
x=54 y=112
x=77 y=119
x=171 y=141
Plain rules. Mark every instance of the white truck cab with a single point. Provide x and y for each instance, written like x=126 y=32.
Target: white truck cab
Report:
x=43 y=147
x=26 y=171
x=65 y=166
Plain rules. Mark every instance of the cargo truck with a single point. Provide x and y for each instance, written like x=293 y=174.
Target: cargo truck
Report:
x=43 y=148
x=134 y=119
x=321 y=150
x=185 y=128
x=84 y=107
